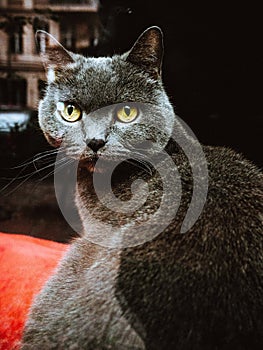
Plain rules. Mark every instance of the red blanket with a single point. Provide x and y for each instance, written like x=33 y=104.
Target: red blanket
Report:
x=25 y=265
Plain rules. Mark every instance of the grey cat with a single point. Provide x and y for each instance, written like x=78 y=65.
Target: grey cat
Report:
x=124 y=289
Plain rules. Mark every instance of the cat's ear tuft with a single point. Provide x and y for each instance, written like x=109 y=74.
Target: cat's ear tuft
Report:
x=54 y=55
x=147 y=51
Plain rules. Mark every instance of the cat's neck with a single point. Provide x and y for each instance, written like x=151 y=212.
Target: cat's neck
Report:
x=97 y=194
x=118 y=177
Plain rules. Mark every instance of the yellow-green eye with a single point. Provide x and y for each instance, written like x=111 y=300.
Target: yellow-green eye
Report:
x=127 y=114
x=69 y=111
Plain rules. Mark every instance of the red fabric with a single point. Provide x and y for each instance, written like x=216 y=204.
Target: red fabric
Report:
x=25 y=265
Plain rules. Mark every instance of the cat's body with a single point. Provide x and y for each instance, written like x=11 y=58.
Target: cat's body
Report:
x=196 y=290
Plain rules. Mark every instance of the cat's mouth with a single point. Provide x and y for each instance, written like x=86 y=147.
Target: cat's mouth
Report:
x=90 y=165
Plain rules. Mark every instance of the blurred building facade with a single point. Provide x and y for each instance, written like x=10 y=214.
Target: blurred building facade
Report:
x=75 y=23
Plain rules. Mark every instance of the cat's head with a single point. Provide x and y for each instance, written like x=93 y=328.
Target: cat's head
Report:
x=108 y=107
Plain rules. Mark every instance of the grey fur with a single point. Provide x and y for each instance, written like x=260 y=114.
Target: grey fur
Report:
x=199 y=290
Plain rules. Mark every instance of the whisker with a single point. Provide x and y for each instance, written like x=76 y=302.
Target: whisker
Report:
x=31 y=160
x=44 y=157
x=135 y=159
x=139 y=164
x=60 y=163
x=23 y=177
x=28 y=176
x=58 y=168
x=138 y=157
x=144 y=165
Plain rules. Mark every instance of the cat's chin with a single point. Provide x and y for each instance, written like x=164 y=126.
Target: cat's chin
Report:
x=90 y=166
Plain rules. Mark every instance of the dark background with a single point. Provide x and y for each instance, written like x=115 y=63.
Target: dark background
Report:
x=212 y=72
x=212 y=67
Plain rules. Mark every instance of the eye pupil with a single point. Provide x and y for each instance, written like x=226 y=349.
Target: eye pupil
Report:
x=70 y=110
x=127 y=110
x=126 y=113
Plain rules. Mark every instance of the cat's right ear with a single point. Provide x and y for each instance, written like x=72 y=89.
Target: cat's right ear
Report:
x=147 y=52
x=54 y=56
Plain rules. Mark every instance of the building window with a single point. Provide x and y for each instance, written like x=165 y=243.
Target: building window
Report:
x=40 y=23
x=42 y=42
x=16 y=43
x=68 y=37
x=41 y=88
x=13 y=92
x=15 y=3
x=73 y=2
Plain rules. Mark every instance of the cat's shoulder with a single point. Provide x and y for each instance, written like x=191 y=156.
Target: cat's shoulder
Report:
x=233 y=181
x=227 y=163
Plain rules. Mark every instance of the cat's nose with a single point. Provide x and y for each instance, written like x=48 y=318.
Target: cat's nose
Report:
x=95 y=144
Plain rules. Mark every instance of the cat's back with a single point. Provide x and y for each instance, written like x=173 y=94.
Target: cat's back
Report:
x=203 y=289
x=235 y=188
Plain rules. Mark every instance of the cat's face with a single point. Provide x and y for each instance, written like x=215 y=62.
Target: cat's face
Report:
x=107 y=107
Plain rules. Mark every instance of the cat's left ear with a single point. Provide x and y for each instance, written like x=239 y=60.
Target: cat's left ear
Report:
x=54 y=55
x=147 y=52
